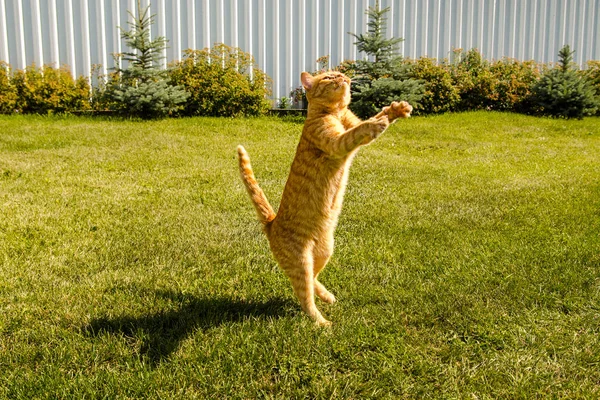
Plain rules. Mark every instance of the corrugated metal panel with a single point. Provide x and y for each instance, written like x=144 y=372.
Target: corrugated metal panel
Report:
x=287 y=36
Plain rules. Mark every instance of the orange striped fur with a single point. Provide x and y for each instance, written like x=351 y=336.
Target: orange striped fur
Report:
x=301 y=233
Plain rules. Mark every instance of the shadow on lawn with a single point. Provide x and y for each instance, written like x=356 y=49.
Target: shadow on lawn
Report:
x=161 y=333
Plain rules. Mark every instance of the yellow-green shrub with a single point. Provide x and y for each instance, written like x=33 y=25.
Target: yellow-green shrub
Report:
x=48 y=89
x=440 y=93
x=512 y=83
x=8 y=92
x=500 y=85
x=472 y=77
x=219 y=82
x=592 y=74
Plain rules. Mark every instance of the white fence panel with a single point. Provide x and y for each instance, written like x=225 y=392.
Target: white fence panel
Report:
x=286 y=37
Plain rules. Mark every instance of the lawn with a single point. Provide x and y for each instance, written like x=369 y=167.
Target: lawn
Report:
x=467 y=262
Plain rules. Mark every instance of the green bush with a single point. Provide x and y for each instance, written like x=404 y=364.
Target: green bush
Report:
x=102 y=99
x=8 y=92
x=440 y=93
x=284 y=103
x=592 y=74
x=468 y=82
x=503 y=85
x=221 y=81
x=512 y=82
x=474 y=81
x=48 y=89
x=563 y=91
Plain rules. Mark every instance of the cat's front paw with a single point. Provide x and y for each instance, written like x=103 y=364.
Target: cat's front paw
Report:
x=377 y=126
x=398 y=110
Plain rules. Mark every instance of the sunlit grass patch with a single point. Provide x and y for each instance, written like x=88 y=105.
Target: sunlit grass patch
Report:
x=467 y=262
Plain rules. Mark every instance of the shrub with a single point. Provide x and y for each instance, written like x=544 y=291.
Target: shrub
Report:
x=512 y=84
x=298 y=97
x=222 y=81
x=474 y=81
x=440 y=95
x=503 y=85
x=102 y=98
x=8 y=92
x=47 y=89
x=563 y=92
x=592 y=74
x=284 y=103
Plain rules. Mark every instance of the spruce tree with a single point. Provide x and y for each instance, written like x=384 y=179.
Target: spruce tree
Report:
x=563 y=92
x=142 y=89
x=382 y=77
x=383 y=52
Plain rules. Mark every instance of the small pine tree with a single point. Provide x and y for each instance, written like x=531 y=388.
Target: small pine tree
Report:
x=383 y=77
x=383 y=52
x=562 y=92
x=142 y=89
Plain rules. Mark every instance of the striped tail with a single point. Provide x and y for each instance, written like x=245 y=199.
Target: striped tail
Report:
x=259 y=200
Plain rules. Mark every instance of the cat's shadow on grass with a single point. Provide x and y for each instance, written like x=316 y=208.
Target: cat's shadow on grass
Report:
x=157 y=335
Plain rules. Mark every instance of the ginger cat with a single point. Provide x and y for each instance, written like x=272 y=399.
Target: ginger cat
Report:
x=301 y=233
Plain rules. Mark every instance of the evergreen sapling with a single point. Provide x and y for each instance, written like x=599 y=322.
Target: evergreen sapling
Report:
x=142 y=88
x=382 y=77
x=563 y=92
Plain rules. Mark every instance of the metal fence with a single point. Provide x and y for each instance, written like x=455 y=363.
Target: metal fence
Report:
x=287 y=36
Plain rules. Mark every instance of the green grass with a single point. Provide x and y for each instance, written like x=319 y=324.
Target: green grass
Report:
x=467 y=263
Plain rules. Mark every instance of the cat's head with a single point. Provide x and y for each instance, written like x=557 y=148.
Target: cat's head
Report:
x=327 y=89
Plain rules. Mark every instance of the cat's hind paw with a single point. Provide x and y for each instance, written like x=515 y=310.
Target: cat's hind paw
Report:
x=327 y=297
x=324 y=323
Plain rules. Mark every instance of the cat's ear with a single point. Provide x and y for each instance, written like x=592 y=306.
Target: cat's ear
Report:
x=307 y=80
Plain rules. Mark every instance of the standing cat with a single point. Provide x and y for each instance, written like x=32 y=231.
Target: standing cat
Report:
x=301 y=233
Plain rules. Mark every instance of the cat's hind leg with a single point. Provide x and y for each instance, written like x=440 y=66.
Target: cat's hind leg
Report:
x=300 y=273
x=321 y=254
x=323 y=293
